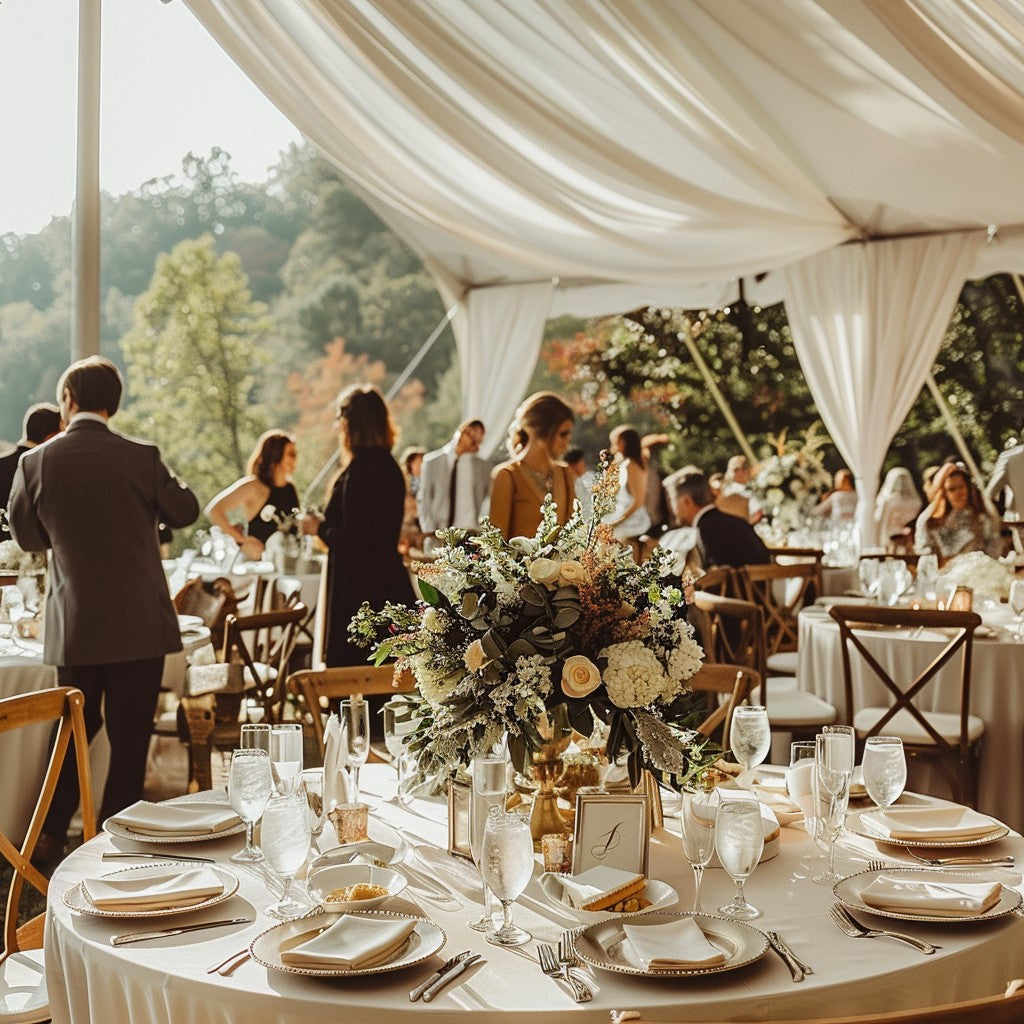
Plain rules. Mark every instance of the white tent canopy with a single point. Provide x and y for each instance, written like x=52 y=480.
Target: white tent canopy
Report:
x=589 y=156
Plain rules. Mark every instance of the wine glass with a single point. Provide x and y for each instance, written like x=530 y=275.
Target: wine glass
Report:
x=398 y=723
x=833 y=769
x=255 y=737
x=739 y=841
x=489 y=781
x=249 y=788
x=867 y=574
x=697 y=818
x=285 y=842
x=750 y=739
x=355 y=728
x=508 y=866
x=885 y=769
x=313 y=789
x=286 y=756
x=1017 y=604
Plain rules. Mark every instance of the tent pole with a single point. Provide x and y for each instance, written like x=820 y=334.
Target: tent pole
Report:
x=961 y=444
x=719 y=398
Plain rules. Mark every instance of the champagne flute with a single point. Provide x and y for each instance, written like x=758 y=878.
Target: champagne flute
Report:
x=697 y=817
x=508 y=867
x=867 y=574
x=355 y=721
x=398 y=723
x=1017 y=604
x=313 y=788
x=833 y=769
x=286 y=756
x=800 y=783
x=750 y=739
x=739 y=842
x=285 y=841
x=885 y=769
x=249 y=788
x=489 y=782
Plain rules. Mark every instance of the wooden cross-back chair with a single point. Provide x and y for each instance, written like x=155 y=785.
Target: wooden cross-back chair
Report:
x=317 y=688
x=730 y=630
x=718 y=579
x=951 y=740
x=22 y=978
x=794 y=556
x=781 y=591
x=722 y=680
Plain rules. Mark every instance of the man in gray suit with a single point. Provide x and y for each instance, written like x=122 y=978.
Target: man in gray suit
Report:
x=1009 y=472
x=454 y=484
x=94 y=498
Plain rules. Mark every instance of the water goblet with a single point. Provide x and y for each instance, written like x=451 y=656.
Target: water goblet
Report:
x=249 y=788
x=885 y=769
x=739 y=842
x=867 y=574
x=285 y=842
x=750 y=739
x=1017 y=604
x=286 y=756
x=508 y=867
x=355 y=721
x=833 y=769
x=489 y=781
x=697 y=817
x=255 y=737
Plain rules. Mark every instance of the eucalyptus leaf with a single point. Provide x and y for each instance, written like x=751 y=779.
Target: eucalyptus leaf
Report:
x=430 y=593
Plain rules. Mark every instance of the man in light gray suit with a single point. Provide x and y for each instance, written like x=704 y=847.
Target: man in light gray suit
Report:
x=454 y=484
x=1009 y=472
x=94 y=498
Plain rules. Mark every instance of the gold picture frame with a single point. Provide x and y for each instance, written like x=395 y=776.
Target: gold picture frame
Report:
x=612 y=829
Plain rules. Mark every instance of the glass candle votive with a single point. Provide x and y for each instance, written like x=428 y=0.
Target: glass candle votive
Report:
x=350 y=822
x=557 y=851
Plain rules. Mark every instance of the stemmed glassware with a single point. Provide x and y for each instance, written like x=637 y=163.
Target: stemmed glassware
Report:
x=739 y=842
x=508 y=866
x=750 y=739
x=355 y=727
x=249 y=788
x=867 y=574
x=489 y=781
x=697 y=817
x=833 y=769
x=285 y=842
x=885 y=769
x=286 y=756
x=398 y=723
x=1017 y=604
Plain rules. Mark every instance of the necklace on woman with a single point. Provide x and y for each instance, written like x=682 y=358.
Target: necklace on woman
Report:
x=545 y=481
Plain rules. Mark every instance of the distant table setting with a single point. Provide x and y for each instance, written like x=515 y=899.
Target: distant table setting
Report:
x=387 y=930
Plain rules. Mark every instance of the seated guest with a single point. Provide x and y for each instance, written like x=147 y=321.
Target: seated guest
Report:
x=41 y=422
x=656 y=499
x=738 y=472
x=956 y=521
x=897 y=505
x=840 y=504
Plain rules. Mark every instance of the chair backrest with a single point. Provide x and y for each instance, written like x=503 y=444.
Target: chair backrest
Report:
x=263 y=644
x=212 y=600
x=959 y=627
x=718 y=579
x=735 y=681
x=731 y=630
x=780 y=591
x=62 y=704
x=794 y=556
x=317 y=687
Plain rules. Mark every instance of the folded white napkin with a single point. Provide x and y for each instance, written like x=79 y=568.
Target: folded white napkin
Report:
x=674 y=944
x=933 y=896
x=336 y=788
x=153 y=891
x=910 y=823
x=175 y=819
x=800 y=779
x=351 y=942
x=592 y=884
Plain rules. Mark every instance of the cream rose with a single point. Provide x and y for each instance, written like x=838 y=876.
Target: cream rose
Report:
x=544 y=571
x=475 y=658
x=580 y=676
x=572 y=574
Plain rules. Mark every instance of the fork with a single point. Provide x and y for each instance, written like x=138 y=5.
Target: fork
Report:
x=939 y=862
x=849 y=924
x=569 y=959
x=549 y=964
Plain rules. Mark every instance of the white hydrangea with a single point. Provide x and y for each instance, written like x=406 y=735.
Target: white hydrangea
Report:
x=686 y=656
x=634 y=677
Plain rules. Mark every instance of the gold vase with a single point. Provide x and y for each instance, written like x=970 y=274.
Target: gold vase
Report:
x=545 y=818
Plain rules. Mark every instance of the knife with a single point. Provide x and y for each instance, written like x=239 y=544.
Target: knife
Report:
x=123 y=940
x=117 y=855
x=437 y=975
x=794 y=968
x=803 y=967
x=449 y=976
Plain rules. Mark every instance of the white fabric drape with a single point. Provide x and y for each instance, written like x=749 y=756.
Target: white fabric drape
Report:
x=867 y=322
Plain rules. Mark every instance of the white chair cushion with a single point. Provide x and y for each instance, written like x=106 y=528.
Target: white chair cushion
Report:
x=23 y=998
x=904 y=725
x=784 y=663
x=266 y=673
x=792 y=707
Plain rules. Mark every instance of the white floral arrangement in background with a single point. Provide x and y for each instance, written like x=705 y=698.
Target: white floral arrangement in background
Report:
x=986 y=576
x=792 y=480
x=14 y=560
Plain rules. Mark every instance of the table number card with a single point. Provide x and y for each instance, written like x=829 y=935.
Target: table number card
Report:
x=612 y=830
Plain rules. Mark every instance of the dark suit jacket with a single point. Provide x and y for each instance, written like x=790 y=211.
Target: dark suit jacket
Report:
x=94 y=497
x=8 y=464
x=729 y=540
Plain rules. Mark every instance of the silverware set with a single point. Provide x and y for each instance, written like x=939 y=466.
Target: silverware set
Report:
x=852 y=927
x=162 y=933
x=560 y=965
x=448 y=971
x=797 y=968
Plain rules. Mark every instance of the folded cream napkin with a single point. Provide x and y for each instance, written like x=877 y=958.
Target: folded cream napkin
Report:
x=336 y=790
x=931 y=896
x=153 y=891
x=910 y=823
x=176 y=819
x=678 y=943
x=351 y=942
x=593 y=884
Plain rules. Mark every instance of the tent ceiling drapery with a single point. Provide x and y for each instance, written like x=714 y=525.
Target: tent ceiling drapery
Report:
x=611 y=153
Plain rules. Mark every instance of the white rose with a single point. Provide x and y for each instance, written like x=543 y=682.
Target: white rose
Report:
x=580 y=676
x=544 y=571
x=572 y=574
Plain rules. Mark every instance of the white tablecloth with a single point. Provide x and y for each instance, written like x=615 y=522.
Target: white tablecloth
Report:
x=997 y=694
x=166 y=980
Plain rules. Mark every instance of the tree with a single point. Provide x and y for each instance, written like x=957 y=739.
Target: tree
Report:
x=192 y=360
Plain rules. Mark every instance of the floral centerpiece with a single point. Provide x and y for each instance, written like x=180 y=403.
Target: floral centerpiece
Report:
x=509 y=631
x=791 y=481
x=988 y=577
x=18 y=562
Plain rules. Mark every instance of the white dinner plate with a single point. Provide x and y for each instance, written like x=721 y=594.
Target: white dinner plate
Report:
x=425 y=940
x=847 y=891
x=76 y=899
x=113 y=829
x=603 y=945
x=661 y=895
x=380 y=835
x=861 y=826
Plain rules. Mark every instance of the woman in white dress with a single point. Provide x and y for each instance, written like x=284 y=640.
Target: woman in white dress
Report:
x=896 y=506
x=629 y=519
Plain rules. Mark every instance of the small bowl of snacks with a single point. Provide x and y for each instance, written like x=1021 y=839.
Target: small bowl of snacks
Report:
x=602 y=894
x=344 y=887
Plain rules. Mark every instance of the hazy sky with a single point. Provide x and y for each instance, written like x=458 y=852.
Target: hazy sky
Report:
x=167 y=88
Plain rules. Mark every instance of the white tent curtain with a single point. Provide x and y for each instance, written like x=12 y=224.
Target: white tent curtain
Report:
x=867 y=322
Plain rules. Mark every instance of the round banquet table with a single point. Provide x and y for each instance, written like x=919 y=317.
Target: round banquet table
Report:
x=997 y=693
x=166 y=980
